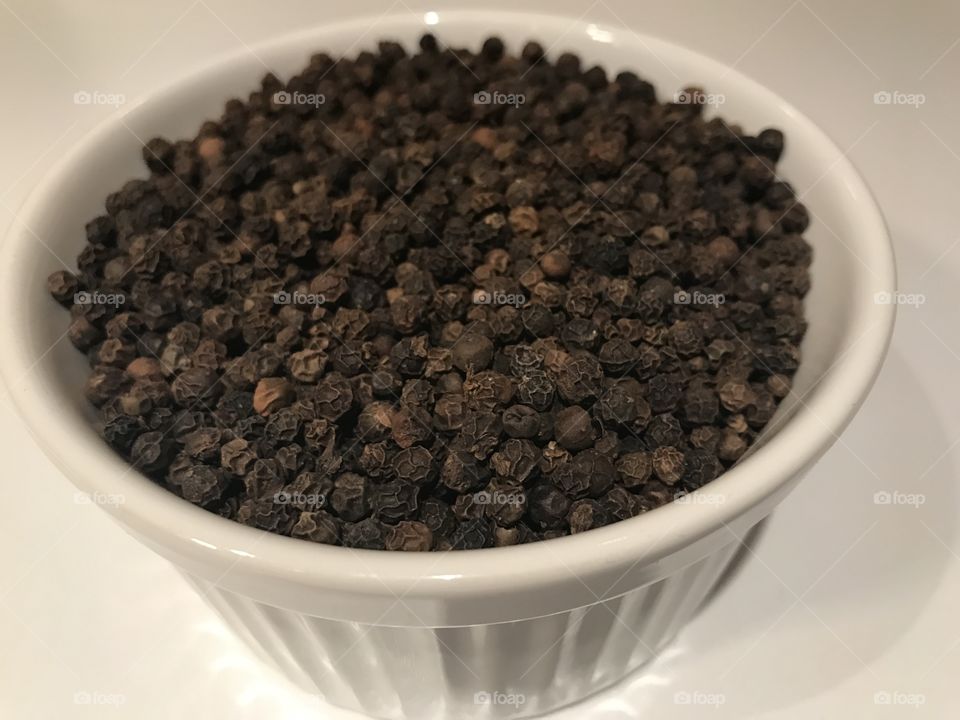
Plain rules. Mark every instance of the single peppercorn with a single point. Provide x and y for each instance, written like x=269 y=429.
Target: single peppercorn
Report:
x=369 y=534
x=409 y=535
x=635 y=469
x=351 y=497
x=521 y=421
x=573 y=428
x=63 y=285
x=587 y=514
x=395 y=500
x=555 y=264
x=319 y=527
x=547 y=506
x=668 y=464
x=271 y=394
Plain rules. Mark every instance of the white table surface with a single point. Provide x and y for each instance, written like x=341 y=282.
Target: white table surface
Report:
x=846 y=602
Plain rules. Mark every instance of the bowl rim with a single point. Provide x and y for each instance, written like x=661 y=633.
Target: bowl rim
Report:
x=190 y=532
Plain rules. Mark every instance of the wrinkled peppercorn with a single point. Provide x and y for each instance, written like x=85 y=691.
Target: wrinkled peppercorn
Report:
x=573 y=428
x=409 y=535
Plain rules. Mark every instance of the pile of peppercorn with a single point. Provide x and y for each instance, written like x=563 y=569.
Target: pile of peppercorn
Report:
x=443 y=301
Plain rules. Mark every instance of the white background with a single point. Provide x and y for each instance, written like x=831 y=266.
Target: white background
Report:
x=843 y=599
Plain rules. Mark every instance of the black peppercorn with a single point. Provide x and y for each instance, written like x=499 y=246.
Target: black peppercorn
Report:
x=409 y=535
x=573 y=428
x=521 y=421
x=369 y=534
x=547 y=506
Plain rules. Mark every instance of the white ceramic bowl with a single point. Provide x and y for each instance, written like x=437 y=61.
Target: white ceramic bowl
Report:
x=439 y=635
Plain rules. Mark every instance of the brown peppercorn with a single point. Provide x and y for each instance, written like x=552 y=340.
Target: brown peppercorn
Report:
x=63 y=285
x=469 y=507
x=462 y=473
x=368 y=534
x=143 y=368
x=597 y=469
x=524 y=219
x=547 y=506
x=350 y=497
x=635 y=469
x=82 y=333
x=307 y=366
x=104 y=383
x=484 y=137
x=411 y=425
x=318 y=526
x=272 y=393
x=488 y=390
x=731 y=447
x=515 y=460
x=700 y=466
x=724 y=250
x=579 y=377
x=621 y=504
x=736 y=396
x=237 y=457
x=668 y=464
x=779 y=385
x=436 y=515
x=410 y=536
x=374 y=422
x=472 y=535
x=573 y=428
x=449 y=412
x=686 y=338
x=504 y=537
x=136 y=401
x=555 y=265
x=151 y=451
x=414 y=465
x=210 y=150
x=202 y=484
x=586 y=514
x=521 y=421
x=700 y=405
x=472 y=353
x=393 y=501
x=196 y=385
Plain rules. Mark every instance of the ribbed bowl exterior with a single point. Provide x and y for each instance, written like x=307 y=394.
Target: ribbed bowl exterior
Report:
x=505 y=670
